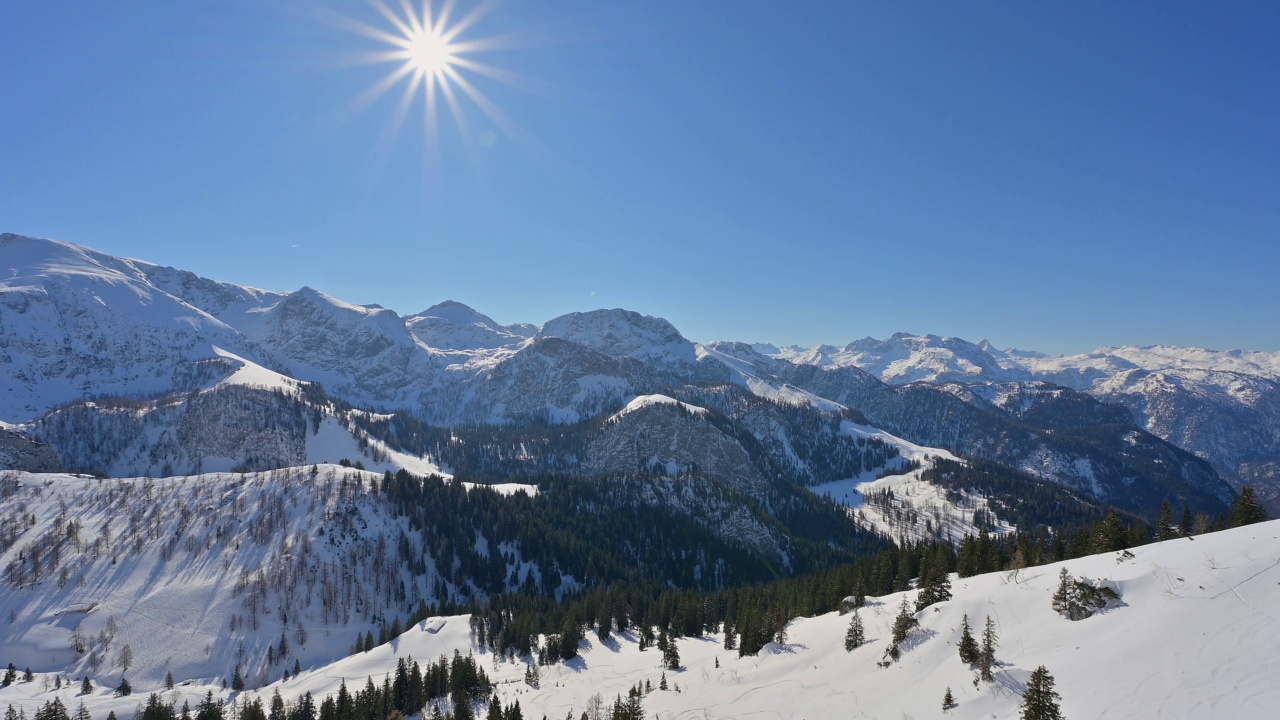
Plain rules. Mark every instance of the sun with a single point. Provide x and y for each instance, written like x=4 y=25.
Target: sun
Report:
x=429 y=50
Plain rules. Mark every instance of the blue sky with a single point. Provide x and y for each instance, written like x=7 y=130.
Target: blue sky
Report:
x=1050 y=177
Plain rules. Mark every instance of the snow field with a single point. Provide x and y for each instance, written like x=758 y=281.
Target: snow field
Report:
x=1195 y=637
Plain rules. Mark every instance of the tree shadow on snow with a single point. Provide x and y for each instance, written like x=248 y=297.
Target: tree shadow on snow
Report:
x=916 y=639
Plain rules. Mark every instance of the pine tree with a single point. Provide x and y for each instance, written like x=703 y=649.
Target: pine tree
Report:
x=1040 y=701
x=209 y=709
x=902 y=626
x=86 y=687
x=124 y=688
x=969 y=653
x=237 y=680
x=935 y=588
x=948 y=701
x=856 y=635
x=10 y=674
x=168 y=680
x=671 y=656
x=28 y=676
x=987 y=658
x=903 y=623
x=1164 y=525
x=277 y=707
x=1184 y=526
x=1246 y=509
x=1062 y=596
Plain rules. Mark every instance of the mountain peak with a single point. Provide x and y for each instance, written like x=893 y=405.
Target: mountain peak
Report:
x=623 y=333
x=457 y=313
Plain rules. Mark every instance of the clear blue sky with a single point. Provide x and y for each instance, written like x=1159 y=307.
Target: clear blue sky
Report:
x=1055 y=176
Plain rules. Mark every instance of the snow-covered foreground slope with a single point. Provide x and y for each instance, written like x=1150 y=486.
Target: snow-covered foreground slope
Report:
x=1194 y=637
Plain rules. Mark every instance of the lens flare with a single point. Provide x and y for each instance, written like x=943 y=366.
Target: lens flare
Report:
x=427 y=49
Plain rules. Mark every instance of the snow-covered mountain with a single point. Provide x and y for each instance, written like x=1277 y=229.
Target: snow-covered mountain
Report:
x=80 y=323
x=453 y=327
x=905 y=358
x=623 y=333
x=81 y=326
x=1219 y=405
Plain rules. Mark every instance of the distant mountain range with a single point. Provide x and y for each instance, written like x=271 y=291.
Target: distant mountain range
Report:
x=83 y=331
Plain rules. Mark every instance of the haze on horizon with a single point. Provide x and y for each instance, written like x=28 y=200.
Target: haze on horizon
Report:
x=1048 y=178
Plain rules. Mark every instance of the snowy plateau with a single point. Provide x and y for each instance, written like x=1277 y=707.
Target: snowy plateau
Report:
x=204 y=473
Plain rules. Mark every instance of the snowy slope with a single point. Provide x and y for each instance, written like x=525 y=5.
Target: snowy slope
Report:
x=453 y=327
x=622 y=333
x=200 y=573
x=1194 y=637
x=918 y=510
x=641 y=402
x=177 y=568
x=79 y=323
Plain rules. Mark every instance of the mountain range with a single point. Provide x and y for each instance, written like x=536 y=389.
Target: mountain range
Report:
x=83 y=330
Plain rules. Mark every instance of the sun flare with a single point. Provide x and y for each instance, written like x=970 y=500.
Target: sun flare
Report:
x=427 y=49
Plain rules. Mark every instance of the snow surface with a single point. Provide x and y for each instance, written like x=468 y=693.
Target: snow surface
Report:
x=622 y=333
x=641 y=402
x=182 y=558
x=938 y=517
x=254 y=375
x=1194 y=637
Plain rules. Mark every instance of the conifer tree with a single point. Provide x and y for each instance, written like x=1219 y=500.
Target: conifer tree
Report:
x=903 y=623
x=671 y=656
x=1184 y=526
x=168 y=680
x=209 y=709
x=1246 y=509
x=948 y=701
x=124 y=688
x=1164 y=525
x=1040 y=701
x=987 y=658
x=86 y=687
x=28 y=676
x=969 y=653
x=277 y=707
x=856 y=635
x=1062 y=596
